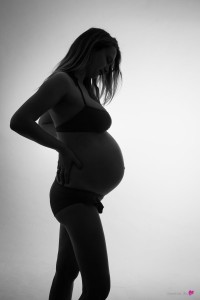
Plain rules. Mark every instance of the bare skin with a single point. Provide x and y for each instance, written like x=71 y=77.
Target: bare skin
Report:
x=99 y=153
x=72 y=244
x=82 y=245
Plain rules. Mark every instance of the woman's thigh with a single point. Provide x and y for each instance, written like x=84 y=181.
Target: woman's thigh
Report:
x=84 y=227
x=66 y=261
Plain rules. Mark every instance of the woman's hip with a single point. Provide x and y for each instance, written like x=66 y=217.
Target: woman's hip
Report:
x=62 y=196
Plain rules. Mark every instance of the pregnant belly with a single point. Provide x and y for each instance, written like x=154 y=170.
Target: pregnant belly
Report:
x=103 y=164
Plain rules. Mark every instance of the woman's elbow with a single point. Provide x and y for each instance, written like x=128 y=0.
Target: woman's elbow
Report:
x=15 y=121
x=13 y=124
x=17 y=124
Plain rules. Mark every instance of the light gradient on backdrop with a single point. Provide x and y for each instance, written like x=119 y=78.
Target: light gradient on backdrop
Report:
x=151 y=219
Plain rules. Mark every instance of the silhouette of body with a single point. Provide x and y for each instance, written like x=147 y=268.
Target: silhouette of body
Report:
x=90 y=161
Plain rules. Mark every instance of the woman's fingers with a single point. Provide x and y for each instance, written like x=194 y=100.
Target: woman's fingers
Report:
x=67 y=173
x=64 y=167
x=78 y=163
x=60 y=176
x=63 y=175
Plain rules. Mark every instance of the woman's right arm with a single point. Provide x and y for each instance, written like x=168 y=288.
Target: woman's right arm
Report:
x=45 y=119
x=47 y=124
x=24 y=120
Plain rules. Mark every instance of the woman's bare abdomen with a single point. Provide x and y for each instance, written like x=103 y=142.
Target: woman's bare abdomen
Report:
x=103 y=164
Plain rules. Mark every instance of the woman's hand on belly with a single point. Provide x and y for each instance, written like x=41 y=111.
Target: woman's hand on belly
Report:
x=103 y=165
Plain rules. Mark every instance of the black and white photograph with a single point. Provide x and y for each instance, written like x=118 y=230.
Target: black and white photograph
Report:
x=100 y=150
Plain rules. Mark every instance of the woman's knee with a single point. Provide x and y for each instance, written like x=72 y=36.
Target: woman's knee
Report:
x=66 y=270
x=96 y=284
x=66 y=265
x=102 y=290
x=66 y=274
x=97 y=294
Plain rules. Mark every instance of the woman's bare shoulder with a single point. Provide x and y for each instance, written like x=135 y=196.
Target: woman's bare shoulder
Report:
x=62 y=75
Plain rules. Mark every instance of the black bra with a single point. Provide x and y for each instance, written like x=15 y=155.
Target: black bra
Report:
x=89 y=119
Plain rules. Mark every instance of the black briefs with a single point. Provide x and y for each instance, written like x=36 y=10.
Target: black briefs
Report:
x=61 y=197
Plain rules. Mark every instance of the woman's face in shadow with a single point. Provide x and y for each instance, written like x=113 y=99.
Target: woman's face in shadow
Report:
x=101 y=61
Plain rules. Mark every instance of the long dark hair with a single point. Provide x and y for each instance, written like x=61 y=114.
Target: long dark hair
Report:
x=78 y=57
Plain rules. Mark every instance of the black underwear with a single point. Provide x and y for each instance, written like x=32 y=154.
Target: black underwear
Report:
x=61 y=197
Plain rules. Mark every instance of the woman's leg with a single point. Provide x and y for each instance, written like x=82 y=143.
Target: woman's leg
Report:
x=66 y=269
x=84 y=227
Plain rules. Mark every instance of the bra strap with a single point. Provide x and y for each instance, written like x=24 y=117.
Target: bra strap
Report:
x=77 y=83
x=81 y=93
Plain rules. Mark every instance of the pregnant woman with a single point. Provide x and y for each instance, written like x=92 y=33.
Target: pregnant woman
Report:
x=90 y=164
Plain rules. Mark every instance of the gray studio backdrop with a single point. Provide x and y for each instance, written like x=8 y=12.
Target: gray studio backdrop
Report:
x=151 y=220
